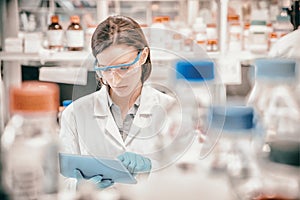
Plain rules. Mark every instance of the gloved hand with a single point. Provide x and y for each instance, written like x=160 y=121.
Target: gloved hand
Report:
x=97 y=180
x=135 y=163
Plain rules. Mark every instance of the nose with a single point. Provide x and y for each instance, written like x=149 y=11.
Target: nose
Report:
x=116 y=78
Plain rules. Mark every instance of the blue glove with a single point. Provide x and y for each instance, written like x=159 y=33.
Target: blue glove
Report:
x=97 y=180
x=135 y=163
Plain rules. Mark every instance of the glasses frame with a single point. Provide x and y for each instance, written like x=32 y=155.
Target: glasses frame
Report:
x=106 y=68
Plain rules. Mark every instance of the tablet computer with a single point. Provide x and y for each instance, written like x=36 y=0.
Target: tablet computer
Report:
x=91 y=166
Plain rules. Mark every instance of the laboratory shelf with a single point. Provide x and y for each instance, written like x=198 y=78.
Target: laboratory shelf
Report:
x=45 y=56
x=76 y=56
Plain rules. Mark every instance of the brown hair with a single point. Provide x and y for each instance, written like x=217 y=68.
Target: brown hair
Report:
x=118 y=30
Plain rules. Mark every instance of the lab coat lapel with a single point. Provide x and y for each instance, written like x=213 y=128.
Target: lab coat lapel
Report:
x=143 y=116
x=112 y=130
x=104 y=117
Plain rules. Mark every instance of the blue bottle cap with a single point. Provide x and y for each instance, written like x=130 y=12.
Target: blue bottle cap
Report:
x=65 y=103
x=195 y=71
x=233 y=118
x=274 y=68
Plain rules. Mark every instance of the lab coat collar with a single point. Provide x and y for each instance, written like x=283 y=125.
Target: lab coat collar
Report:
x=143 y=115
x=141 y=120
x=102 y=112
x=101 y=103
x=147 y=100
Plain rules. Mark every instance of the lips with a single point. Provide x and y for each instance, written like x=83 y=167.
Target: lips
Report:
x=119 y=87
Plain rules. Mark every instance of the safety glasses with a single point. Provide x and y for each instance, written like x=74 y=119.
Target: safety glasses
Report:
x=121 y=69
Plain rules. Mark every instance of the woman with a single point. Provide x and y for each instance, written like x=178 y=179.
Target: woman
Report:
x=124 y=119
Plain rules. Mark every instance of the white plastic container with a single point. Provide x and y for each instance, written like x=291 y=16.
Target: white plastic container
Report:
x=29 y=142
x=158 y=34
x=258 y=37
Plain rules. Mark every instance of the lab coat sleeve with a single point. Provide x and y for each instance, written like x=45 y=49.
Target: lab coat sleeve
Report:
x=68 y=142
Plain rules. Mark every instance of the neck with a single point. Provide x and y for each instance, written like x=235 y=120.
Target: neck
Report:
x=126 y=102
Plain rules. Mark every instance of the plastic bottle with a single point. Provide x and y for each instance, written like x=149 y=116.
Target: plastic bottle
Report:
x=55 y=34
x=3 y=194
x=196 y=87
x=245 y=39
x=200 y=35
x=272 y=39
x=75 y=35
x=258 y=37
x=234 y=153
x=276 y=100
x=88 y=36
x=212 y=37
x=283 y=25
x=235 y=33
x=30 y=142
x=158 y=33
x=274 y=97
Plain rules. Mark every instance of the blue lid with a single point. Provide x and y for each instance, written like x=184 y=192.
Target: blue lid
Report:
x=66 y=103
x=233 y=117
x=195 y=71
x=273 y=68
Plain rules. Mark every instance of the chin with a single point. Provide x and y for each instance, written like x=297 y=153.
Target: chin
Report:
x=122 y=91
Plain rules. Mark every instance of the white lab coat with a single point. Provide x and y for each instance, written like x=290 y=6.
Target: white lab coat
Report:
x=287 y=46
x=88 y=127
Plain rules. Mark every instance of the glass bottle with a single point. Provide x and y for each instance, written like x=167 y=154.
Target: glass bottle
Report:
x=274 y=97
x=55 y=34
x=29 y=142
x=75 y=35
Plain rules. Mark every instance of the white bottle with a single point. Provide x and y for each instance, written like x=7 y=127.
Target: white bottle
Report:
x=158 y=34
x=30 y=142
x=200 y=35
x=258 y=37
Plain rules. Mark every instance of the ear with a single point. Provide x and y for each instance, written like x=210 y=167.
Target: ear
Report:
x=144 y=55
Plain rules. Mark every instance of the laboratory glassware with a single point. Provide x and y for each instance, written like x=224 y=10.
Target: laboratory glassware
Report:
x=29 y=142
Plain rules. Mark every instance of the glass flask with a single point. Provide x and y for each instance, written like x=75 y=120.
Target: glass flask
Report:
x=29 y=142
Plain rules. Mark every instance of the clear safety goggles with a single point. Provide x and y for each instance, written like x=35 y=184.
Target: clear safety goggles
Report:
x=122 y=69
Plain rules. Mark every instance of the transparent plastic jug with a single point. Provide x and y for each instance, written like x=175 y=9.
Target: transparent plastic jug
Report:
x=29 y=142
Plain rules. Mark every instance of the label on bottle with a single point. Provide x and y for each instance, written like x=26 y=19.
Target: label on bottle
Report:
x=55 y=37
x=75 y=38
x=24 y=172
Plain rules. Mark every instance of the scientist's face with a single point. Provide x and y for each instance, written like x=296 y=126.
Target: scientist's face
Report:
x=120 y=67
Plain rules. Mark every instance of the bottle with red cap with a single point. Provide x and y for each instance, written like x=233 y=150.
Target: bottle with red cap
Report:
x=29 y=142
x=75 y=35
